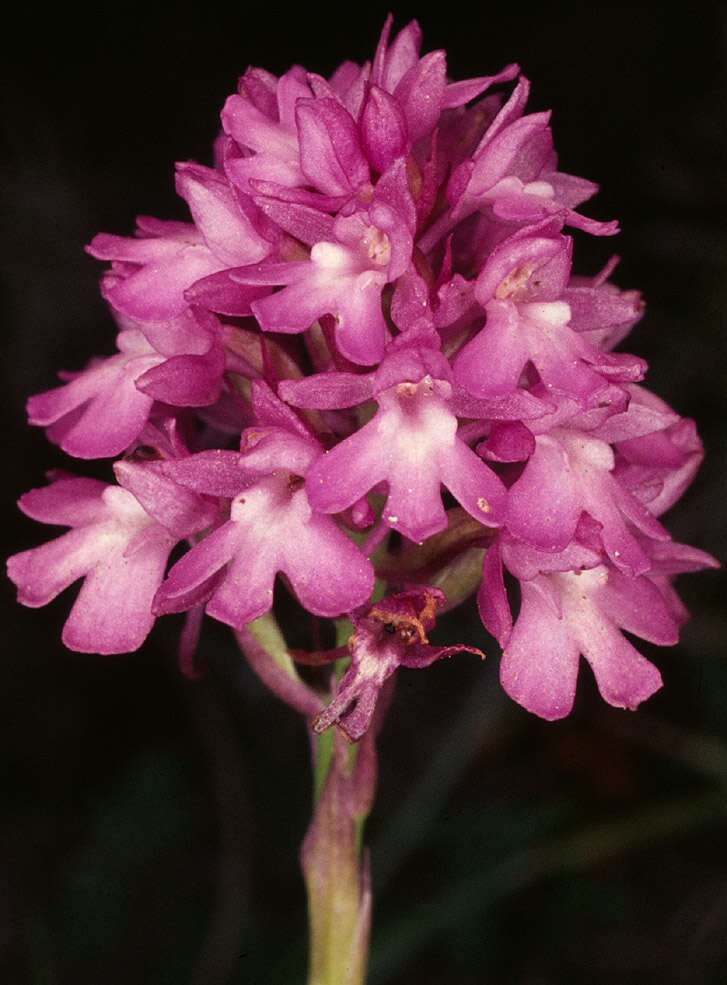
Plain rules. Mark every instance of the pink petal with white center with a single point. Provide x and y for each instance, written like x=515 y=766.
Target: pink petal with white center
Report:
x=245 y=592
x=328 y=573
x=533 y=264
x=412 y=444
x=540 y=665
x=591 y=463
x=331 y=284
x=270 y=530
x=557 y=352
x=119 y=549
x=624 y=677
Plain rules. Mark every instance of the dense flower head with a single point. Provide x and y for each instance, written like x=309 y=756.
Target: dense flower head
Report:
x=365 y=355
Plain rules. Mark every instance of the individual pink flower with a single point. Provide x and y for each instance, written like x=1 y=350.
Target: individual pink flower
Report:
x=345 y=275
x=151 y=273
x=118 y=547
x=570 y=472
x=271 y=528
x=411 y=444
x=100 y=411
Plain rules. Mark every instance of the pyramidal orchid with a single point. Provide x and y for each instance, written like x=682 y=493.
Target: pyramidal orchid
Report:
x=366 y=353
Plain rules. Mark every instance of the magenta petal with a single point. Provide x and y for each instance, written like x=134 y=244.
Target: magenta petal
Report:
x=112 y=613
x=492 y=601
x=625 y=678
x=344 y=474
x=546 y=501
x=188 y=581
x=100 y=412
x=330 y=153
x=221 y=294
x=294 y=309
x=216 y=472
x=414 y=505
x=637 y=606
x=68 y=502
x=539 y=668
x=246 y=591
x=490 y=365
x=179 y=510
x=42 y=573
x=326 y=391
x=420 y=93
x=328 y=572
x=361 y=331
x=226 y=229
x=156 y=291
x=473 y=484
x=185 y=381
x=383 y=129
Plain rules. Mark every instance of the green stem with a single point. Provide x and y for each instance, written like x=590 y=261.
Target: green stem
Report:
x=334 y=866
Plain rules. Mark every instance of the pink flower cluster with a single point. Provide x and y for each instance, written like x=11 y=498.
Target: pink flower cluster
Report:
x=373 y=300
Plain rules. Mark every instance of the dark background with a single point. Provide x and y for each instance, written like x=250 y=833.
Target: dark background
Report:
x=150 y=826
